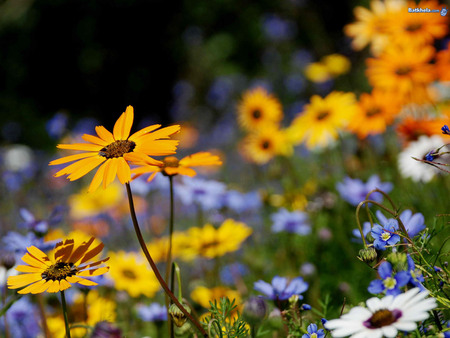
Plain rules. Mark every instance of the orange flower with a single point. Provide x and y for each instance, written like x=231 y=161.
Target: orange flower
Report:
x=114 y=151
x=171 y=166
x=443 y=64
x=375 y=112
x=412 y=128
x=70 y=264
x=403 y=70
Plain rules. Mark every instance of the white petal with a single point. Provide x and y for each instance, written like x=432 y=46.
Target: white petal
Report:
x=389 y=331
x=374 y=304
x=405 y=325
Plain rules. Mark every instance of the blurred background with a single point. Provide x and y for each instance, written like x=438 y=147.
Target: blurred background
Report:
x=170 y=60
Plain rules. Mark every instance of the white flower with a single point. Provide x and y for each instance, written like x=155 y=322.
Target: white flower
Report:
x=416 y=170
x=384 y=317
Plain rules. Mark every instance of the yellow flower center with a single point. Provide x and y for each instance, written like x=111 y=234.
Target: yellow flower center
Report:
x=404 y=70
x=389 y=283
x=322 y=115
x=171 y=161
x=372 y=111
x=385 y=236
x=256 y=114
x=382 y=318
x=129 y=274
x=117 y=149
x=59 y=271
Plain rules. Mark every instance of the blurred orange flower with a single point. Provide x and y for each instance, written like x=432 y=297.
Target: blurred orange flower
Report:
x=443 y=64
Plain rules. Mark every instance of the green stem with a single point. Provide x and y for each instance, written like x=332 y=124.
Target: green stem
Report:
x=169 y=254
x=153 y=265
x=66 y=319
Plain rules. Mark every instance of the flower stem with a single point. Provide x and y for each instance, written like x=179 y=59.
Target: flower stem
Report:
x=153 y=265
x=66 y=319
x=169 y=255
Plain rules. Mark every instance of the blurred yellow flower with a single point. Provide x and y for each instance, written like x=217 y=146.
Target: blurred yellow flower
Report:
x=159 y=247
x=375 y=112
x=317 y=72
x=130 y=273
x=87 y=309
x=203 y=295
x=336 y=64
x=403 y=70
x=86 y=205
x=318 y=125
x=113 y=151
x=171 y=166
x=210 y=242
x=257 y=108
x=372 y=25
x=265 y=143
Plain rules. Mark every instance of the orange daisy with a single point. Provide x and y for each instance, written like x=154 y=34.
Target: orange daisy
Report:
x=418 y=28
x=171 y=166
x=375 y=112
x=443 y=64
x=70 y=265
x=114 y=150
x=404 y=70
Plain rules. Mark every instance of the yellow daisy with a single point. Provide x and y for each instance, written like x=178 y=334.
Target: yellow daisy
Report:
x=131 y=273
x=265 y=143
x=114 y=150
x=403 y=70
x=159 y=247
x=210 y=242
x=203 y=295
x=372 y=25
x=318 y=125
x=258 y=107
x=375 y=112
x=171 y=166
x=70 y=265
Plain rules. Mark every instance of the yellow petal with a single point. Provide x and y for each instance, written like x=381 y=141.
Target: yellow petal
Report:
x=80 y=146
x=54 y=287
x=143 y=131
x=110 y=172
x=74 y=167
x=92 y=253
x=140 y=158
x=31 y=260
x=63 y=250
x=122 y=126
x=156 y=148
x=90 y=165
x=80 y=251
x=39 y=255
x=71 y=158
x=123 y=171
x=94 y=139
x=27 y=268
x=32 y=287
x=86 y=282
x=93 y=272
x=40 y=288
x=19 y=281
x=104 y=134
x=98 y=177
x=64 y=285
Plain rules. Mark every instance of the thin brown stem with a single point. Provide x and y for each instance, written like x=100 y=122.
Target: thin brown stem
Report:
x=153 y=265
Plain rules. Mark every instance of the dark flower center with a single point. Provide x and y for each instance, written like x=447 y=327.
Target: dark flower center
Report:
x=403 y=70
x=413 y=27
x=256 y=114
x=171 y=161
x=59 y=271
x=373 y=111
x=265 y=145
x=322 y=115
x=129 y=274
x=382 y=318
x=117 y=149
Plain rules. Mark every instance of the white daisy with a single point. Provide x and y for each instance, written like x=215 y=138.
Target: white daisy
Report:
x=416 y=170
x=384 y=317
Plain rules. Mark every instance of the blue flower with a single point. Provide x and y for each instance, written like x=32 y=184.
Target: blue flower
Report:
x=384 y=236
x=207 y=194
x=232 y=272
x=414 y=223
x=22 y=319
x=313 y=332
x=219 y=92
x=152 y=313
x=41 y=226
x=354 y=191
x=389 y=282
x=277 y=29
x=415 y=275
x=294 y=222
x=366 y=229
x=445 y=130
x=242 y=202
x=280 y=289
x=57 y=125
x=18 y=243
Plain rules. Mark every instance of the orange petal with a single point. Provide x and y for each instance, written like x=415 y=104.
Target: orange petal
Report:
x=110 y=172
x=90 y=165
x=122 y=126
x=156 y=148
x=140 y=158
x=94 y=139
x=32 y=287
x=86 y=282
x=81 y=250
x=71 y=158
x=63 y=250
x=123 y=171
x=31 y=260
x=98 y=177
x=80 y=146
x=94 y=272
x=104 y=134
x=74 y=167
x=38 y=254
x=143 y=131
x=92 y=253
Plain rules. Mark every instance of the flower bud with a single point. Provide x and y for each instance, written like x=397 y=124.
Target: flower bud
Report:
x=255 y=310
x=178 y=317
x=398 y=260
x=7 y=259
x=368 y=255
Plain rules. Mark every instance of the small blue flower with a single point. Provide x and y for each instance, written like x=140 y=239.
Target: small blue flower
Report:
x=233 y=272
x=366 y=229
x=18 y=243
x=294 y=222
x=22 y=319
x=242 y=202
x=414 y=223
x=430 y=156
x=152 y=313
x=278 y=29
x=57 y=125
x=354 y=191
x=389 y=282
x=41 y=226
x=445 y=130
x=280 y=289
x=415 y=275
x=313 y=332
x=384 y=236
x=207 y=194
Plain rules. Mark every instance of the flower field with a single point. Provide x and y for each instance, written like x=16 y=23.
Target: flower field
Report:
x=303 y=193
